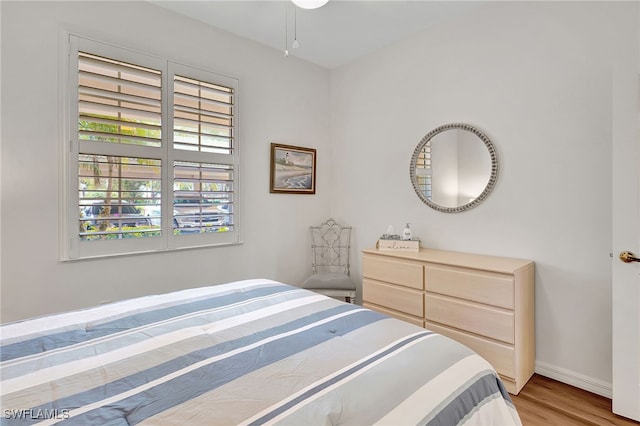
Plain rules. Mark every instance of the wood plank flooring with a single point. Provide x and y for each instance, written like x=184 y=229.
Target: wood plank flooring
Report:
x=546 y=402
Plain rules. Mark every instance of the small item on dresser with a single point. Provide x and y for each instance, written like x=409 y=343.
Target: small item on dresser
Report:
x=389 y=235
x=404 y=242
x=398 y=245
x=406 y=233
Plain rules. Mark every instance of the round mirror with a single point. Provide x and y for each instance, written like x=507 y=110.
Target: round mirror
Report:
x=454 y=168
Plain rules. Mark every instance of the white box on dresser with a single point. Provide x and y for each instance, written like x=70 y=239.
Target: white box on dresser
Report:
x=485 y=302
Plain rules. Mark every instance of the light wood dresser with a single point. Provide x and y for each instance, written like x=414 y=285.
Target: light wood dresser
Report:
x=484 y=302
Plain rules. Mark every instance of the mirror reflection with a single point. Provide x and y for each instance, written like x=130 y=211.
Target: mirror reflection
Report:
x=454 y=167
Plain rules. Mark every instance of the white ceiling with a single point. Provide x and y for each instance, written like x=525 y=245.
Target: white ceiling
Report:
x=333 y=35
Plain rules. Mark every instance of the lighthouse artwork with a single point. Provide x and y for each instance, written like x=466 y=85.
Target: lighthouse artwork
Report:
x=293 y=169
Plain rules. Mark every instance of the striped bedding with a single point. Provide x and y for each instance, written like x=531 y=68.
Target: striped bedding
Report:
x=249 y=352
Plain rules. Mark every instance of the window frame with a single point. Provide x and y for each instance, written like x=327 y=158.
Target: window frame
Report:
x=72 y=247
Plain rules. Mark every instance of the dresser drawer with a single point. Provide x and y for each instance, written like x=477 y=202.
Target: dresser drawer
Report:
x=398 y=298
x=483 y=287
x=393 y=271
x=484 y=302
x=479 y=319
x=398 y=315
x=500 y=356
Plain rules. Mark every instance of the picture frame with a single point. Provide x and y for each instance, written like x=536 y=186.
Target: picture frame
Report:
x=292 y=170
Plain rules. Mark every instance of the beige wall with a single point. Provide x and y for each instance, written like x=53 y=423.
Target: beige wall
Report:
x=536 y=78
x=274 y=107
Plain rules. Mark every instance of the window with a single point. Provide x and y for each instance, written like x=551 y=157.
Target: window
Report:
x=153 y=155
x=424 y=171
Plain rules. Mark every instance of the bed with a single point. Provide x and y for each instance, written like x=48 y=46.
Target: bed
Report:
x=249 y=352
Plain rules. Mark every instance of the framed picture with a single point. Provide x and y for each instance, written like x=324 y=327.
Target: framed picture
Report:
x=293 y=169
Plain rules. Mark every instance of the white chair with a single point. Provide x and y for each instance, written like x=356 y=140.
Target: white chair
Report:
x=330 y=244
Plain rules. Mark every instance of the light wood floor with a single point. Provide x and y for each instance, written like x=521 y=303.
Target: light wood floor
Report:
x=546 y=402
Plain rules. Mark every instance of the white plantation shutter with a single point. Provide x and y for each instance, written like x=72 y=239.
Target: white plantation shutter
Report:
x=204 y=155
x=115 y=195
x=118 y=102
x=153 y=156
x=203 y=116
x=203 y=196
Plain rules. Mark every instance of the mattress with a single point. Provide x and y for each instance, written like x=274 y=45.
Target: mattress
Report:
x=249 y=352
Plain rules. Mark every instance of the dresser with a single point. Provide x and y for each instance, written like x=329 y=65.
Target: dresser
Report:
x=484 y=302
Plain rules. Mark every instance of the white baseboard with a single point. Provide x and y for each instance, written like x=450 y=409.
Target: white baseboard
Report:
x=572 y=378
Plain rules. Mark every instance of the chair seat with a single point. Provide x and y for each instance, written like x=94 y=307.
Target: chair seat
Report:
x=329 y=280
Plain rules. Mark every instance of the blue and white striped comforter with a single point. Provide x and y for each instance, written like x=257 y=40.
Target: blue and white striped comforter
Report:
x=249 y=352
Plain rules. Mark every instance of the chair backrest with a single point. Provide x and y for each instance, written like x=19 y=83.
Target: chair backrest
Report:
x=330 y=243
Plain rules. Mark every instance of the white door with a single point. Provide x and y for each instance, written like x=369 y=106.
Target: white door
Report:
x=626 y=237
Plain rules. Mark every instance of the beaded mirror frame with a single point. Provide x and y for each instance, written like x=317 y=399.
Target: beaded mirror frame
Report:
x=418 y=155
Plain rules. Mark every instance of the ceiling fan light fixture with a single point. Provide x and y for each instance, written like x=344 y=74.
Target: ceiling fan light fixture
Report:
x=310 y=4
